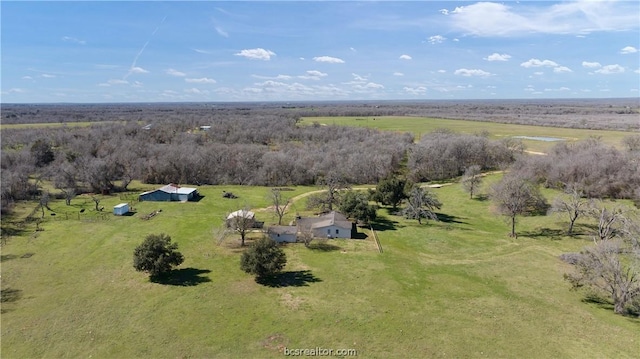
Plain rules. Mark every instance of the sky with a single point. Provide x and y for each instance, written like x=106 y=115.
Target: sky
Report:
x=196 y=51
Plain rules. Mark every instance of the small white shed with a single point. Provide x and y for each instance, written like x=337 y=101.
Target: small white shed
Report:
x=121 y=209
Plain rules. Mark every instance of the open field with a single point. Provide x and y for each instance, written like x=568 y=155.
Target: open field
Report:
x=457 y=288
x=421 y=125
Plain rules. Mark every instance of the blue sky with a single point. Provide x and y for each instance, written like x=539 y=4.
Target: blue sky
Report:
x=295 y=51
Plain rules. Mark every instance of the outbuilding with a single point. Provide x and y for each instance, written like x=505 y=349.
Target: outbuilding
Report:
x=283 y=233
x=170 y=192
x=121 y=209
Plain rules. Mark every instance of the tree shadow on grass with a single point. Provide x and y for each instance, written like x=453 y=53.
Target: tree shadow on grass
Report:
x=393 y=212
x=384 y=224
x=6 y=257
x=184 y=277
x=359 y=235
x=300 y=278
x=8 y=295
x=323 y=246
x=551 y=233
x=481 y=198
x=442 y=217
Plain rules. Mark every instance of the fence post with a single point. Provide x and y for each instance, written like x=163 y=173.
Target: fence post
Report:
x=375 y=238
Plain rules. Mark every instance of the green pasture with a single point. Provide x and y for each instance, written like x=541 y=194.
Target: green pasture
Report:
x=419 y=126
x=459 y=288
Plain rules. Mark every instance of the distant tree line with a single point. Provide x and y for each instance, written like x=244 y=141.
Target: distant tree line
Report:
x=443 y=154
x=618 y=114
x=595 y=169
x=255 y=150
x=268 y=145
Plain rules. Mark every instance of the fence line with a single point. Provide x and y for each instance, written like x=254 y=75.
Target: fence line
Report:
x=375 y=238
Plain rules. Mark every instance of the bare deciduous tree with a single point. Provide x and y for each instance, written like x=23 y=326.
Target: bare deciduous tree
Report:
x=609 y=220
x=326 y=200
x=472 y=179
x=241 y=221
x=279 y=202
x=517 y=196
x=575 y=205
x=607 y=267
x=305 y=235
x=97 y=200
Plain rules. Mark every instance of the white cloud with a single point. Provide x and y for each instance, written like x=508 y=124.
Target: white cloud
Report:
x=471 y=72
x=365 y=87
x=538 y=73
x=174 y=72
x=357 y=77
x=313 y=75
x=628 y=50
x=405 y=57
x=196 y=91
x=557 y=90
x=13 y=90
x=436 y=39
x=202 y=80
x=74 y=40
x=637 y=71
x=137 y=70
x=442 y=71
x=221 y=32
x=316 y=73
x=278 y=77
x=420 y=90
x=610 y=69
x=561 y=69
x=48 y=76
x=538 y=63
x=444 y=11
x=27 y=78
x=202 y=51
x=329 y=59
x=498 y=57
x=136 y=84
x=574 y=17
x=398 y=74
x=257 y=54
x=591 y=65
x=113 y=82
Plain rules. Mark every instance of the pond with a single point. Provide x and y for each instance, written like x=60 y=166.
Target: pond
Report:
x=539 y=138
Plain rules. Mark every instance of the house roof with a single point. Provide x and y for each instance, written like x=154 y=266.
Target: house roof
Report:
x=241 y=213
x=172 y=188
x=283 y=230
x=330 y=219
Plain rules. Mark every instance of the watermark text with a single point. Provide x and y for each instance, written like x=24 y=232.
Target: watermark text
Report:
x=319 y=352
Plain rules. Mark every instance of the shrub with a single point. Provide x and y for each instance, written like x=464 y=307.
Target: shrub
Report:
x=263 y=259
x=156 y=255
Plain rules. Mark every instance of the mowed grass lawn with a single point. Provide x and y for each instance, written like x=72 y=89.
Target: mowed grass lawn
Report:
x=419 y=126
x=454 y=289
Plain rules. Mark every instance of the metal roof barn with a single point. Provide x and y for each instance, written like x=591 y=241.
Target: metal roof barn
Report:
x=170 y=192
